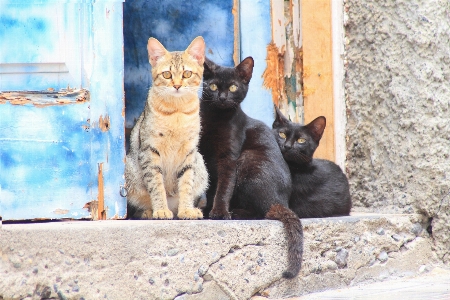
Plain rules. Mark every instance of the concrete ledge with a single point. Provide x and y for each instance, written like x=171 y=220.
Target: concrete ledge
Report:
x=204 y=259
x=429 y=285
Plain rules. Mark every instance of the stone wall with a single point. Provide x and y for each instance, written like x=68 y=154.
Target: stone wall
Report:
x=397 y=87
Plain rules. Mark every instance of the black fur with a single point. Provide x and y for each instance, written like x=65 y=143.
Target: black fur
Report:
x=319 y=187
x=248 y=175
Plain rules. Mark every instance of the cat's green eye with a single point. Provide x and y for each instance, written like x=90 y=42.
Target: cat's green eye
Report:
x=167 y=74
x=213 y=87
x=187 y=74
x=301 y=141
x=233 y=88
x=282 y=135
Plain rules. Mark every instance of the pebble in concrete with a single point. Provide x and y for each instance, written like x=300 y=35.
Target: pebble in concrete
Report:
x=383 y=256
x=380 y=231
x=341 y=258
x=416 y=229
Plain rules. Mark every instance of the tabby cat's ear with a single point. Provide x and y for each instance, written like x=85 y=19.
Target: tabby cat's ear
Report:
x=245 y=69
x=280 y=120
x=316 y=128
x=155 y=50
x=197 y=50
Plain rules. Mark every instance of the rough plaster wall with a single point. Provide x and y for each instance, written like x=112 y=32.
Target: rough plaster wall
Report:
x=397 y=87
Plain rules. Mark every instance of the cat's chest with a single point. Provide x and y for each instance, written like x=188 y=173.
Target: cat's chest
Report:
x=307 y=181
x=173 y=127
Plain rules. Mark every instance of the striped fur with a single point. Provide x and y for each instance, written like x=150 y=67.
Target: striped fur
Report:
x=165 y=173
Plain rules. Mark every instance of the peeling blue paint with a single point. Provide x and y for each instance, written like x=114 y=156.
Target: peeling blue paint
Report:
x=42 y=161
x=254 y=40
x=49 y=155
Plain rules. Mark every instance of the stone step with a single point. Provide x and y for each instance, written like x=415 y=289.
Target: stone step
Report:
x=433 y=284
x=205 y=259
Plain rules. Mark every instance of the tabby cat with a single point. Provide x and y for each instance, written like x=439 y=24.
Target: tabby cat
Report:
x=248 y=175
x=319 y=187
x=165 y=173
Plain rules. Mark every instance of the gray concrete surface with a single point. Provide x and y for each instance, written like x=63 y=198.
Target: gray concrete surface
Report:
x=205 y=259
x=434 y=285
x=397 y=86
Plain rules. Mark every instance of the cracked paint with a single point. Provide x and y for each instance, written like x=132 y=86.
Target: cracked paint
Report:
x=46 y=98
x=273 y=75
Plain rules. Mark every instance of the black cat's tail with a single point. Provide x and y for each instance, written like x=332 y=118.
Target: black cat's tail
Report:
x=294 y=231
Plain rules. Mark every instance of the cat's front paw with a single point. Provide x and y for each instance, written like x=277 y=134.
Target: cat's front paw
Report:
x=190 y=214
x=217 y=214
x=147 y=214
x=164 y=214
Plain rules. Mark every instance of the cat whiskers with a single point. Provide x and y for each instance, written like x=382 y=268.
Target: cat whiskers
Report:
x=297 y=157
x=162 y=91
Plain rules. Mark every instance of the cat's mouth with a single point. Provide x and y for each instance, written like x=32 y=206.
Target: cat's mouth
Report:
x=226 y=104
x=178 y=92
x=295 y=156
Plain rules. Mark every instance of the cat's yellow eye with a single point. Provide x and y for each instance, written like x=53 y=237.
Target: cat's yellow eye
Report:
x=282 y=135
x=213 y=87
x=187 y=74
x=301 y=141
x=167 y=74
x=233 y=88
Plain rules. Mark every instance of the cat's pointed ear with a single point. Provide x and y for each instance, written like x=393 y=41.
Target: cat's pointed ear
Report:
x=197 y=50
x=155 y=50
x=280 y=120
x=245 y=69
x=316 y=127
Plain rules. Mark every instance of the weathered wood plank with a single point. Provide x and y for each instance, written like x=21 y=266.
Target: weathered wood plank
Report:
x=318 y=70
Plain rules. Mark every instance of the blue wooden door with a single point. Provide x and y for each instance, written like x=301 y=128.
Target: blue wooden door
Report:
x=232 y=29
x=61 y=109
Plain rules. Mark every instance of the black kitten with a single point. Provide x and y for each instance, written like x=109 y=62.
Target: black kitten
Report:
x=319 y=187
x=248 y=175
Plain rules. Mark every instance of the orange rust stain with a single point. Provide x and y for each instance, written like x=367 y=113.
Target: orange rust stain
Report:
x=20 y=101
x=88 y=126
x=235 y=12
x=60 y=211
x=273 y=77
x=306 y=71
x=308 y=91
x=104 y=123
x=101 y=194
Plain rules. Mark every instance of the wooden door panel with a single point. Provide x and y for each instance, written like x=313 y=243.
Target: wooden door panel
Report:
x=45 y=161
x=54 y=140
x=41 y=46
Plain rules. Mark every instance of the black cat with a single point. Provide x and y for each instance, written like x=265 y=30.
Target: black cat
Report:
x=248 y=175
x=319 y=187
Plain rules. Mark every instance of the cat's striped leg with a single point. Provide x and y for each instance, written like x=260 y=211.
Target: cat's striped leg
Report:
x=150 y=162
x=187 y=188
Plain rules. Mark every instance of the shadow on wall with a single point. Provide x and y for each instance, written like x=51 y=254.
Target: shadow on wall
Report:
x=174 y=23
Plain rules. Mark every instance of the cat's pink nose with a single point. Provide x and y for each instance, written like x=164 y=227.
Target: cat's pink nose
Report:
x=177 y=87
